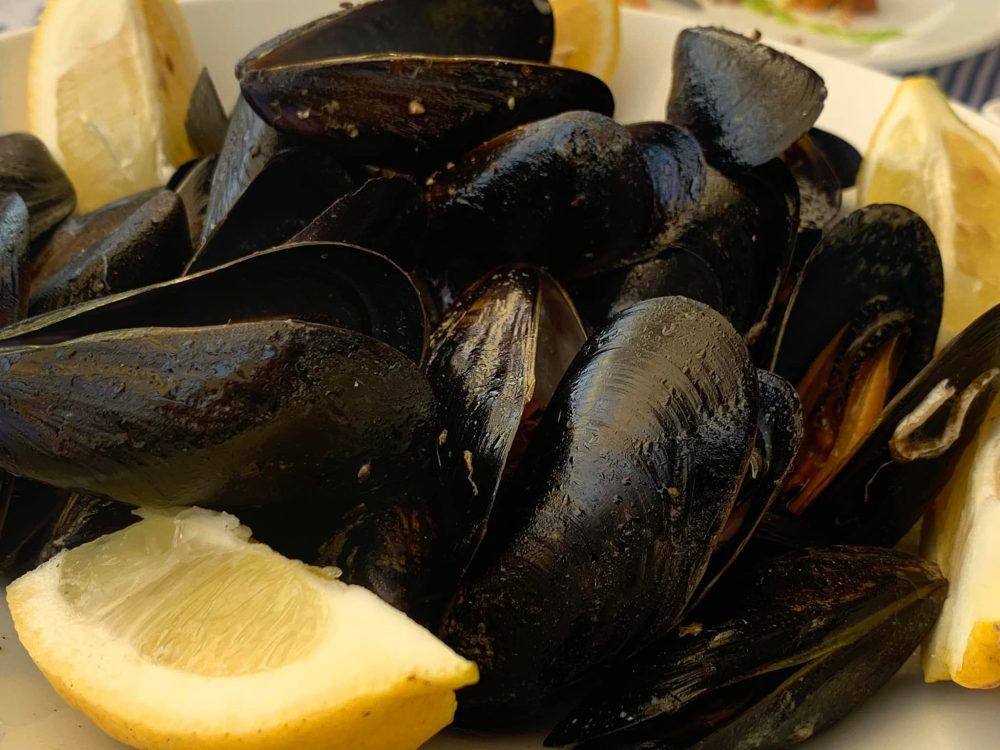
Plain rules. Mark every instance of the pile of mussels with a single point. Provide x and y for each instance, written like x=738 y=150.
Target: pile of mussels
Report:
x=427 y=313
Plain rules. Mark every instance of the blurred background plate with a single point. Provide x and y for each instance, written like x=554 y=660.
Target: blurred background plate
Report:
x=930 y=32
x=906 y=714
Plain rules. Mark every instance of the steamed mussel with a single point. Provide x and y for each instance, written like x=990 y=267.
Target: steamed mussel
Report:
x=598 y=404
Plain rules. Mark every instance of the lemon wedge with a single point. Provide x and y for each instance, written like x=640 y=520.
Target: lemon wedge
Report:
x=962 y=535
x=924 y=157
x=180 y=632
x=109 y=83
x=588 y=36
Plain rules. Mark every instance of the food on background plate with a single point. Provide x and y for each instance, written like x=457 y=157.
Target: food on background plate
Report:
x=669 y=363
x=845 y=6
x=179 y=631
x=108 y=88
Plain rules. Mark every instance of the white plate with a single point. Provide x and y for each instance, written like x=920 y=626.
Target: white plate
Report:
x=932 y=32
x=906 y=713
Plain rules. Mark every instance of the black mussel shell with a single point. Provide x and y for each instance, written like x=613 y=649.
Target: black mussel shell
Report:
x=415 y=110
x=82 y=519
x=840 y=155
x=820 y=190
x=78 y=233
x=571 y=193
x=676 y=166
x=621 y=497
x=775 y=656
x=206 y=123
x=779 y=434
x=745 y=102
x=744 y=227
x=675 y=273
x=518 y=29
x=391 y=545
x=13 y=258
x=249 y=145
x=326 y=283
x=153 y=244
x=881 y=253
x=28 y=169
x=194 y=189
x=495 y=362
x=219 y=416
x=386 y=214
x=28 y=511
x=911 y=453
x=291 y=190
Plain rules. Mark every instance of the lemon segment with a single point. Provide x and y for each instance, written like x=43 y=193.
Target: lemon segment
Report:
x=180 y=632
x=924 y=157
x=109 y=84
x=588 y=36
x=961 y=534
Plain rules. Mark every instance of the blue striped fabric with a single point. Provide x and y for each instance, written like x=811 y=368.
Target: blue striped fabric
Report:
x=973 y=81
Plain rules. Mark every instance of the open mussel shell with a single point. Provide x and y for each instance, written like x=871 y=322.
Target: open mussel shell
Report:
x=571 y=193
x=153 y=244
x=249 y=145
x=620 y=499
x=880 y=253
x=415 y=110
x=910 y=454
x=773 y=657
x=744 y=228
x=495 y=362
x=291 y=190
x=28 y=169
x=13 y=258
x=779 y=434
x=517 y=29
x=385 y=214
x=219 y=416
x=676 y=167
x=745 y=102
x=327 y=283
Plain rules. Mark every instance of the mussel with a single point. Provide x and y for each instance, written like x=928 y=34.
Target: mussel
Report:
x=28 y=169
x=380 y=91
x=495 y=362
x=624 y=491
x=571 y=192
x=744 y=101
x=861 y=323
x=779 y=654
x=152 y=244
x=197 y=413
